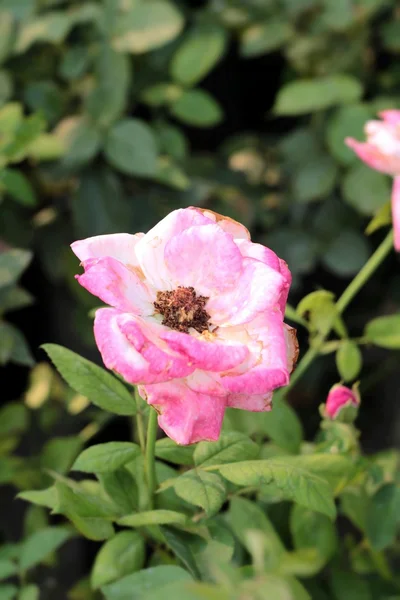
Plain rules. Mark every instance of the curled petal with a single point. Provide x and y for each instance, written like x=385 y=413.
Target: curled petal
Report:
x=374 y=157
x=128 y=347
x=339 y=397
x=237 y=230
x=116 y=285
x=292 y=346
x=185 y=416
x=258 y=289
x=205 y=258
x=396 y=211
x=150 y=249
x=203 y=354
x=116 y=245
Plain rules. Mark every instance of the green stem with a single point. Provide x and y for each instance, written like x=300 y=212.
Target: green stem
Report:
x=150 y=464
x=349 y=293
x=138 y=423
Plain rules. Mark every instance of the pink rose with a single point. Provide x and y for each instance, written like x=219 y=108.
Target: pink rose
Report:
x=339 y=397
x=382 y=152
x=196 y=318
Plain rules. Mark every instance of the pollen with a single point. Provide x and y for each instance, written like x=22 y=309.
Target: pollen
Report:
x=182 y=309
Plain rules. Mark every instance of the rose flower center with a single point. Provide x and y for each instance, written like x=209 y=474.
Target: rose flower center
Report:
x=182 y=309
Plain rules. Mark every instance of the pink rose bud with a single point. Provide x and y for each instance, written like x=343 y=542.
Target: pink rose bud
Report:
x=195 y=318
x=341 y=397
x=381 y=151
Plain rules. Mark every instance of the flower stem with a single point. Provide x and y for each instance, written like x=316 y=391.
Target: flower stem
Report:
x=349 y=293
x=150 y=465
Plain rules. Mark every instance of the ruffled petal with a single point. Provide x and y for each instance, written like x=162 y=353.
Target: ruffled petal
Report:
x=205 y=258
x=116 y=285
x=186 y=416
x=267 y=369
x=116 y=245
x=129 y=347
x=374 y=157
x=150 y=249
x=208 y=355
x=258 y=289
x=396 y=212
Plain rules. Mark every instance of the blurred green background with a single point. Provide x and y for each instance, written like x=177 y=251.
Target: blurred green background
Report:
x=115 y=112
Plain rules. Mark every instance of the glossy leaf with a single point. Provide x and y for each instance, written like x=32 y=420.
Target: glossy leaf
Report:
x=122 y=554
x=103 y=458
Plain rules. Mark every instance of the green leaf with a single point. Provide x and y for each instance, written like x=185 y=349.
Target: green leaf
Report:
x=382 y=217
x=107 y=101
x=310 y=529
x=197 y=108
x=122 y=488
x=364 y=189
x=13 y=346
x=146 y=26
x=353 y=502
x=51 y=27
x=346 y=253
x=292 y=480
x=12 y=264
x=131 y=148
x=230 y=447
x=103 y=458
x=203 y=489
x=81 y=140
x=244 y=515
x=119 y=556
x=179 y=543
x=308 y=95
x=59 y=453
x=29 y=592
x=46 y=497
x=384 y=331
x=25 y=133
x=170 y=174
x=7 y=33
x=7 y=569
x=14 y=298
x=46 y=147
x=6 y=86
x=86 y=378
x=170 y=451
x=14 y=419
x=41 y=543
x=138 y=584
x=346 y=584
x=283 y=426
x=214 y=550
x=153 y=517
x=262 y=38
x=47 y=97
x=8 y=592
x=314 y=180
x=348 y=360
x=172 y=141
x=91 y=514
x=382 y=518
x=198 y=54
x=160 y=94
x=347 y=121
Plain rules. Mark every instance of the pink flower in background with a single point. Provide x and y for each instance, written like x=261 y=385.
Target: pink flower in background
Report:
x=381 y=151
x=339 y=397
x=195 y=318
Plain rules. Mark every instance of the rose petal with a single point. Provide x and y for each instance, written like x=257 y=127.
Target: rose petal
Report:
x=205 y=258
x=391 y=116
x=128 y=347
x=185 y=416
x=396 y=212
x=237 y=230
x=292 y=346
x=208 y=355
x=116 y=285
x=268 y=257
x=251 y=402
x=267 y=368
x=258 y=289
x=374 y=157
x=150 y=249
x=116 y=245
